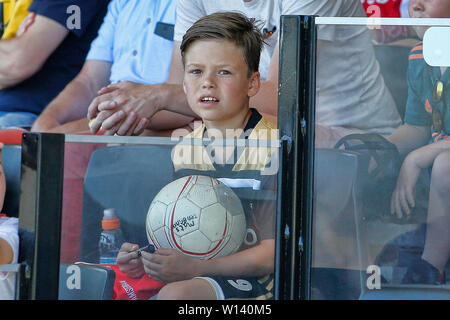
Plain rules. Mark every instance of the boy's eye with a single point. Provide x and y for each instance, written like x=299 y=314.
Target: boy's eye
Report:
x=224 y=72
x=195 y=71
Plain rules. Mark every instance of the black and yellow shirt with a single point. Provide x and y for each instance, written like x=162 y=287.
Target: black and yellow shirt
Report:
x=243 y=171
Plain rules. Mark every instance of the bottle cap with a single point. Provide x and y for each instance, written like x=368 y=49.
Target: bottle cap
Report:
x=110 y=220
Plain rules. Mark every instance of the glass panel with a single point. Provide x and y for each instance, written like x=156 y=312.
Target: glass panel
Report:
x=166 y=193
x=381 y=216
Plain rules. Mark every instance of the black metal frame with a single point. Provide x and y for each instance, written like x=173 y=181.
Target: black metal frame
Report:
x=296 y=110
x=40 y=212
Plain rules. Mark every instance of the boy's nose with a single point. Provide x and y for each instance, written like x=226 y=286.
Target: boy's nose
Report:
x=208 y=82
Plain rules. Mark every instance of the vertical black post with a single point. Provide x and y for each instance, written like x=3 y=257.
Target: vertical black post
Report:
x=296 y=109
x=41 y=209
x=305 y=180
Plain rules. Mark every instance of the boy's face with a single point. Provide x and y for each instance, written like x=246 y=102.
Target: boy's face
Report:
x=429 y=9
x=216 y=80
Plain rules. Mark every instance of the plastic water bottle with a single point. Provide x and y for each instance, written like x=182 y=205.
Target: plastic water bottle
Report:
x=110 y=238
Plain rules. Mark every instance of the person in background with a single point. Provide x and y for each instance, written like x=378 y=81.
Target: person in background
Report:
x=41 y=59
x=336 y=104
x=425 y=141
x=9 y=243
x=389 y=9
x=134 y=44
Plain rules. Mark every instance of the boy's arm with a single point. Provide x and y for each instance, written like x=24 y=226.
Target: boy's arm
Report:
x=168 y=265
x=403 y=196
x=410 y=137
x=424 y=157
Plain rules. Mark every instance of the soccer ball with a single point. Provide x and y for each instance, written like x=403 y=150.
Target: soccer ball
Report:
x=197 y=215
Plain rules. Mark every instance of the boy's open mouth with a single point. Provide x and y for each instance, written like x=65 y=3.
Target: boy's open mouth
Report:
x=209 y=99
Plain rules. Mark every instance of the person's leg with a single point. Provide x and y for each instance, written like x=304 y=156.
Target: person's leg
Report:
x=437 y=241
x=16 y=120
x=194 y=289
x=429 y=268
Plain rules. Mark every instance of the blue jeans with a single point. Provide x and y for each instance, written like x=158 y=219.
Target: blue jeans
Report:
x=16 y=119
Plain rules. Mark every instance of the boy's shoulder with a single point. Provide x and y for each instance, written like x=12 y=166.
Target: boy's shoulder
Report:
x=416 y=52
x=264 y=129
x=416 y=63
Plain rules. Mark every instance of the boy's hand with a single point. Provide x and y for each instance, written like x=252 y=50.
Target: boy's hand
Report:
x=169 y=265
x=402 y=200
x=129 y=262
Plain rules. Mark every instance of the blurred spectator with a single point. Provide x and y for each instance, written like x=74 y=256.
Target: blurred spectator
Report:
x=14 y=12
x=37 y=64
x=336 y=104
x=9 y=251
x=389 y=9
x=425 y=140
x=134 y=44
x=9 y=243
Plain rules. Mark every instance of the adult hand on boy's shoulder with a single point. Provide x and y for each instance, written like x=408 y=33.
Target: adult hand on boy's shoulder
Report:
x=169 y=265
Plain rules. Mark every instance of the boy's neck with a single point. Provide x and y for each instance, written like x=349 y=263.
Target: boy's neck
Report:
x=228 y=128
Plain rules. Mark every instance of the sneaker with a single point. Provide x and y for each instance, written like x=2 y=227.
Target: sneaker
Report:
x=422 y=272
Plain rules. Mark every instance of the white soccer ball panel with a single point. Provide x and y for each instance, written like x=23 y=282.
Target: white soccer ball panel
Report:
x=213 y=222
x=156 y=215
x=205 y=181
x=239 y=227
x=161 y=238
x=172 y=191
x=195 y=242
x=185 y=218
x=202 y=195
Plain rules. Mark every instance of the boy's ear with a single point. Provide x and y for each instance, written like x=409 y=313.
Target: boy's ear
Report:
x=254 y=84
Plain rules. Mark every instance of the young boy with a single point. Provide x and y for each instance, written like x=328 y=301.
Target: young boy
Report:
x=428 y=106
x=221 y=55
x=9 y=243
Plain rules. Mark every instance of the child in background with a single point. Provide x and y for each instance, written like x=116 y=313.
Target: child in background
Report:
x=425 y=139
x=9 y=243
x=220 y=55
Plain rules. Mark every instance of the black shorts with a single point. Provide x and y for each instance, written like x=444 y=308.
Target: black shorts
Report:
x=253 y=288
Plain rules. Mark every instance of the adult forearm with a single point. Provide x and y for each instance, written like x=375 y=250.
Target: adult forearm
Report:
x=70 y=105
x=174 y=99
x=9 y=71
x=174 y=111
